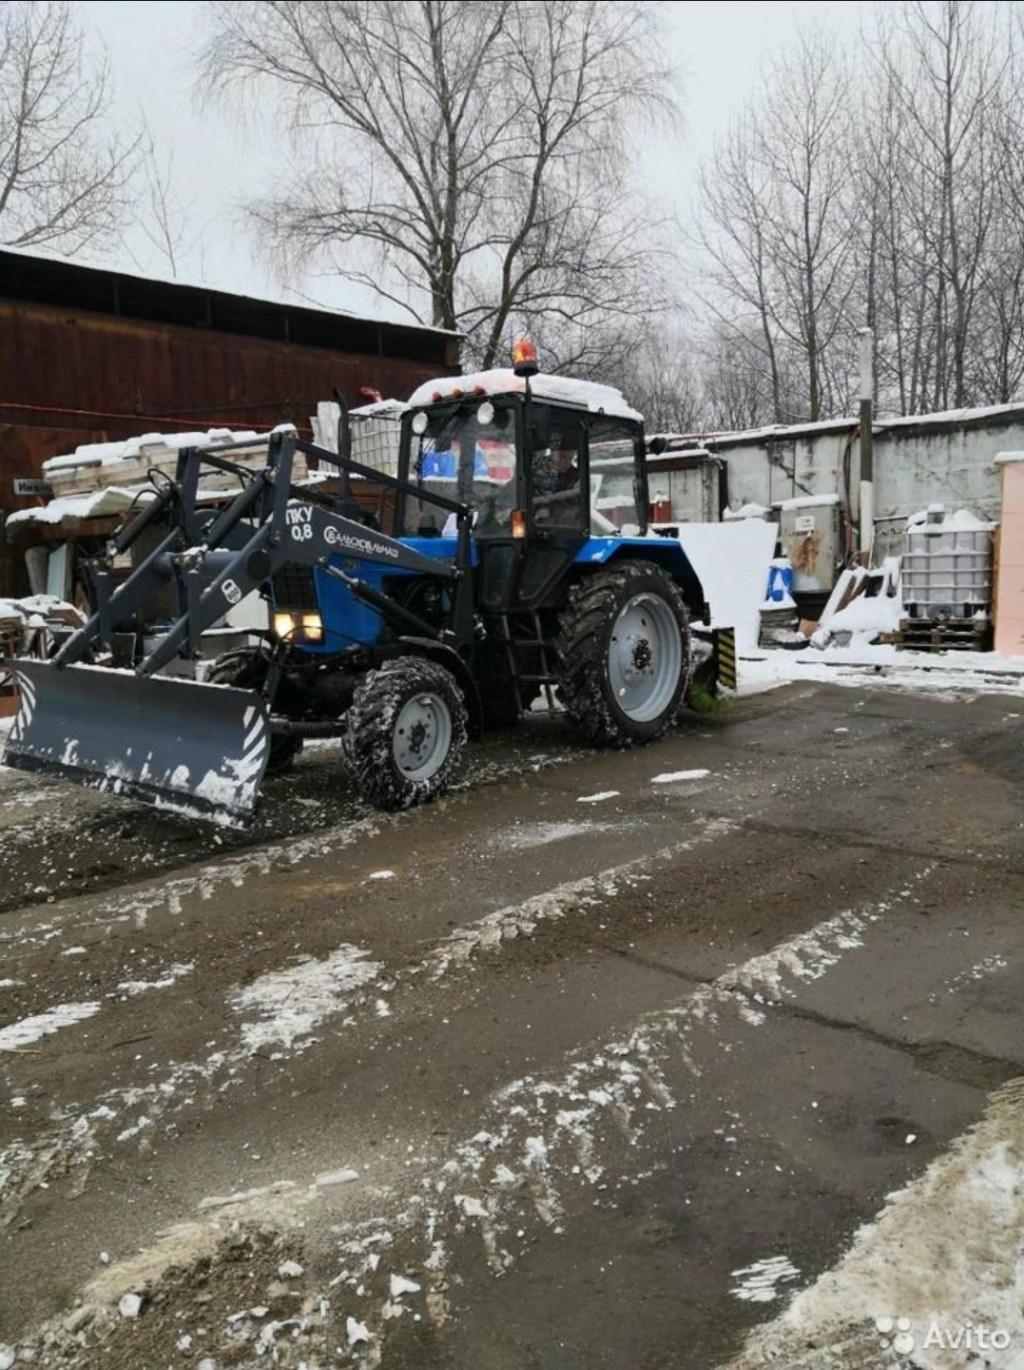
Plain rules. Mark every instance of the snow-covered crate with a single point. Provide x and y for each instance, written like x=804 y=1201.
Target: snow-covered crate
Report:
x=375 y=440
x=98 y=465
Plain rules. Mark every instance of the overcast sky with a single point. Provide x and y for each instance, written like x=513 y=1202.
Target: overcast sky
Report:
x=719 y=45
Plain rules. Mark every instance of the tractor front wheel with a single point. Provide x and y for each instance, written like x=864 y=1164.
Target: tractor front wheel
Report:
x=405 y=732
x=624 y=654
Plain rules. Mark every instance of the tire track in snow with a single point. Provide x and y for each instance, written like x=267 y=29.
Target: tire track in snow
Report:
x=169 y=896
x=543 y=1141
x=522 y=919
x=282 y=1008
x=546 y=1139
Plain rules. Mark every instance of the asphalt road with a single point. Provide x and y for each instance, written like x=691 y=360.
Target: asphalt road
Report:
x=578 y=1067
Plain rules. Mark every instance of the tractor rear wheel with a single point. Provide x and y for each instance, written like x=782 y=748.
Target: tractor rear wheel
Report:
x=405 y=732
x=246 y=669
x=624 y=654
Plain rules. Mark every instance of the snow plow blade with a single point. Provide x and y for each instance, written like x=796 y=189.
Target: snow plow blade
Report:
x=199 y=750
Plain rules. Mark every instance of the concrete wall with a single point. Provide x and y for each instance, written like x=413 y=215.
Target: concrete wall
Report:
x=945 y=459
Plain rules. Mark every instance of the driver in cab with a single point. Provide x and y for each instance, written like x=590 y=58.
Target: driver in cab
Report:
x=556 y=482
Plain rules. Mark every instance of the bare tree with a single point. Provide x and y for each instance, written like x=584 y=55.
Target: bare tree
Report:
x=804 y=143
x=63 y=173
x=662 y=379
x=775 y=226
x=996 y=359
x=732 y=230
x=898 y=201
x=466 y=161
x=164 y=221
x=943 y=71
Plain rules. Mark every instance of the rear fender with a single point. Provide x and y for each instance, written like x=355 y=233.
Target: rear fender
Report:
x=667 y=553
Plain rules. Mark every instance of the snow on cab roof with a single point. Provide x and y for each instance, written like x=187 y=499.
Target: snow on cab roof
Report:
x=598 y=399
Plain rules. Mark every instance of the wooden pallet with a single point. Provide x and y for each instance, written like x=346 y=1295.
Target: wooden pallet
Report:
x=91 y=475
x=941 y=635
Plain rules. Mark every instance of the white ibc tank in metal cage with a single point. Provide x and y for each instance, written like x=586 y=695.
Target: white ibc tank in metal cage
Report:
x=947 y=567
x=375 y=428
x=375 y=440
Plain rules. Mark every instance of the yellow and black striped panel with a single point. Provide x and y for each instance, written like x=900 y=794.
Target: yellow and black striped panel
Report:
x=725 y=658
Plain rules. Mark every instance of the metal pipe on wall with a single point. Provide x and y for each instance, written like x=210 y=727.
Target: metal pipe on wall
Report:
x=865 y=357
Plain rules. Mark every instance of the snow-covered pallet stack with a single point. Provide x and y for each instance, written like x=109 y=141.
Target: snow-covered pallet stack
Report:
x=98 y=465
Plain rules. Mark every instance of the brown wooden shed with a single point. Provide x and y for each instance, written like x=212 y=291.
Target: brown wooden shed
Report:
x=91 y=355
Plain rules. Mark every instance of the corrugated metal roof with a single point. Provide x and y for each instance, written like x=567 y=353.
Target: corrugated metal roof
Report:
x=55 y=281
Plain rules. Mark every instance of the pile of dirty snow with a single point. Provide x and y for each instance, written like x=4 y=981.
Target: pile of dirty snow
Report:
x=865 y=617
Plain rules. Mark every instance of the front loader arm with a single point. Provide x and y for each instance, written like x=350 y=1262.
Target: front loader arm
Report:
x=307 y=536
x=191 y=746
x=269 y=524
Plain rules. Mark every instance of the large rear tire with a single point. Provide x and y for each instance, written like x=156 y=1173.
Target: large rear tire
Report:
x=624 y=654
x=246 y=669
x=405 y=733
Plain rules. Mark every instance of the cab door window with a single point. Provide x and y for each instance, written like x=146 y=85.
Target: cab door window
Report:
x=555 y=476
x=614 y=448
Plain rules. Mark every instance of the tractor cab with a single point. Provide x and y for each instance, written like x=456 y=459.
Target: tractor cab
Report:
x=546 y=464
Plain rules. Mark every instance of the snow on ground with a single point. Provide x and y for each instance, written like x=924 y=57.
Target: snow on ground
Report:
x=521 y=918
x=940 y=1264
x=539 y=1139
x=290 y=1003
x=542 y=1137
x=758 y=1283
x=129 y=989
x=529 y=835
x=28 y=1030
x=885 y=666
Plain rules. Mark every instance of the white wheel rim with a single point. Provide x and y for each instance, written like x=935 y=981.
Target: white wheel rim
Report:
x=645 y=657
x=422 y=736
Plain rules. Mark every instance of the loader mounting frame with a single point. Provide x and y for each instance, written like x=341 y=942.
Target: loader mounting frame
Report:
x=204 y=748
x=270 y=523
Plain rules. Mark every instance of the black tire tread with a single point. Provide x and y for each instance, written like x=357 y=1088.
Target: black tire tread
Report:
x=369 y=732
x=584 y=625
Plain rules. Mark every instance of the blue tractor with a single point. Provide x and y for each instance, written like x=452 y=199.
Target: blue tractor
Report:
x=518 y=561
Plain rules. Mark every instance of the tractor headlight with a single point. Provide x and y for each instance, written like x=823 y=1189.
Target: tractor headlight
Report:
x=419 y=423
x=299 y=627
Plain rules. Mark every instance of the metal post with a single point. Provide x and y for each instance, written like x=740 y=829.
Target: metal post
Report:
x=865 y=354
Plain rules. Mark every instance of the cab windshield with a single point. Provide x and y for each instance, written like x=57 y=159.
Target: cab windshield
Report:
x=466 y=453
